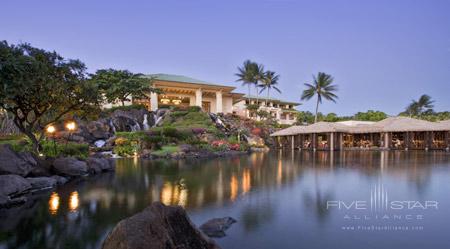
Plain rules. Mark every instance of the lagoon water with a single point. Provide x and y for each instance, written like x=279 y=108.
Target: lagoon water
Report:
x=351 y=199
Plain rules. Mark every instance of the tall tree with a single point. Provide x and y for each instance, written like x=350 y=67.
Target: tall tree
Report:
x=247 y=74
x=121 y=85
x=269 y=81
x=259 y=76
x=419 y=107
x=39 y=87
x=323 y=88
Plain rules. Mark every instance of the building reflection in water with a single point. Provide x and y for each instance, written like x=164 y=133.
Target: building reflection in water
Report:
x=246 y=181
x=53 y=203
x=233 y=187
x=279 y=172
x=174 y=194
x=74 y=201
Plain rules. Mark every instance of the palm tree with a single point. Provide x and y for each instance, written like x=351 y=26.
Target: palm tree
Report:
x=247 y=74
x=321 y=87
x=416 y=108
x=269 y=81
x=259 y=76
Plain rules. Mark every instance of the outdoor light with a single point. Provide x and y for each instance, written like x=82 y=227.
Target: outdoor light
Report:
x=165 y=101
x=71 y=126
x=51 y=129
x=176 y=101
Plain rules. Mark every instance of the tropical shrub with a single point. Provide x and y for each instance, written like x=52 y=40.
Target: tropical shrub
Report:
x=194 y=109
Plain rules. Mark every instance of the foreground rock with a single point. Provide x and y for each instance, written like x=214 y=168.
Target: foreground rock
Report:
x=70 y=166
x=13 y=185
x=158 y=226
x=216 y=227
x=15 y=163
x=40 y=183
x=99 y=164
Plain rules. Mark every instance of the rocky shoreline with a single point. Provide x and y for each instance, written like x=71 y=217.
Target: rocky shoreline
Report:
x=161 y=226
x=22 y=174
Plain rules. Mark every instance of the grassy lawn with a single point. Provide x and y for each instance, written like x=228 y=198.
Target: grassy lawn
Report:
x=166 y=150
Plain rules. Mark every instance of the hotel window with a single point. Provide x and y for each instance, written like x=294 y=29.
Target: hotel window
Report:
x=283 y=116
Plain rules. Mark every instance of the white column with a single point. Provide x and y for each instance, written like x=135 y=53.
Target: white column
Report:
x=153 y=101
x=331 y=141
x=278 y=115
x=386 y=140
x=219 y=105
x=198 y=97
x=293 y=142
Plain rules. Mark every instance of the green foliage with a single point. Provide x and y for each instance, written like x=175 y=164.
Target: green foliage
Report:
x=322 y=88
x=178 y=114
x=305 y=117
x=51 y=85
x=52 y=148
x=129 y=143
x=370 y=115
x=250 y=74
x=331 y=117
x=194 y=109
x=65 y=149
x=126 y=108
x=423 y=106
x=166 y=150
x=263 y=114
x=252 y=107
x=120 y=85
x=270 y=81
x=170 y=132
x=193 y=119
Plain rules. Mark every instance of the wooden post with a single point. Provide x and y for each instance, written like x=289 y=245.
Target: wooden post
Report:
x=341 y=141
x=314 y=141
x=447 y=139
x=293 y=142
x=386 y=140
x=406 y=140
x=331 y=141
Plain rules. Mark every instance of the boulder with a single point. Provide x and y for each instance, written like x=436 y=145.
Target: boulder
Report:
x=69 y=166
x=157 y=226
x=15 y=163
x=7 y=202
x=60 y=180
x=216 y=227
x=99 y=164
x=13 y=185
x=39 y=183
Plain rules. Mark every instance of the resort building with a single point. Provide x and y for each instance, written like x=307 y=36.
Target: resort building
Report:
x=184 y=91
x=400 y=133
x=283 y=111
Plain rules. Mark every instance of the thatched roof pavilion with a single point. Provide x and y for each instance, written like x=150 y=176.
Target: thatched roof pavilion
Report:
x=392 y=132
x=391 y=124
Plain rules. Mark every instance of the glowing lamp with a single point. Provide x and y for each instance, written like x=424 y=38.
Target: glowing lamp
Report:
x=71 y=126
x=51 y=129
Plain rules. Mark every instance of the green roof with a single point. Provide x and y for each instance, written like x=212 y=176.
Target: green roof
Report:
x=180 y=78
x=263 y=97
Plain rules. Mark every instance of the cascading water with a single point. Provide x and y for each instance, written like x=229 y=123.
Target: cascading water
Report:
x=135 y=127
x=158 y=116
x=113 y=128
x=145 y=123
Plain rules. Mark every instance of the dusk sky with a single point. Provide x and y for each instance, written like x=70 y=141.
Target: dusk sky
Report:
x=381 y=53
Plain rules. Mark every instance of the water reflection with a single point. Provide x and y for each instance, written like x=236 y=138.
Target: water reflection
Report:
x=53 y=203
x=73 y=201
x=264 y=191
